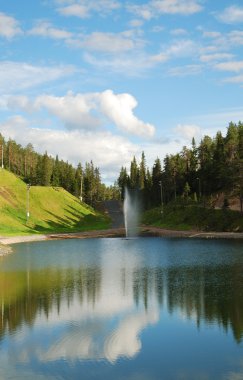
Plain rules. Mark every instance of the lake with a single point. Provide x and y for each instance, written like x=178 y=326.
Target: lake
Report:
x=137 y=309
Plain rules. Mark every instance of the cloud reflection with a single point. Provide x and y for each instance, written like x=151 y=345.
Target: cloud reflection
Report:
x=97 y=319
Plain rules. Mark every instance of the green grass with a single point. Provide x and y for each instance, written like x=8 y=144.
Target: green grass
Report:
x=51 y=210
x=193 y=217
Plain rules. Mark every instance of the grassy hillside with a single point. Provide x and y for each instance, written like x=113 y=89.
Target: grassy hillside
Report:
x=51 y=209
x=193 y=217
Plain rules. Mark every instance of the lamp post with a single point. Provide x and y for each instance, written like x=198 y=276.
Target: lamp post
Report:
x=81 y=188
x=28 y=202
x=161 y=197
x=2 y=156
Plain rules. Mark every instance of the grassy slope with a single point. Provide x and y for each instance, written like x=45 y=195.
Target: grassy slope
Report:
x=192 y=217
x=51 y=209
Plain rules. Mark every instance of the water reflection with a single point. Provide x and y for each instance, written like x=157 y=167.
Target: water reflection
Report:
x=97 y=307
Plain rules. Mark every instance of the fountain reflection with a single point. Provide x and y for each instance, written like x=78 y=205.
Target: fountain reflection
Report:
x=131 y=212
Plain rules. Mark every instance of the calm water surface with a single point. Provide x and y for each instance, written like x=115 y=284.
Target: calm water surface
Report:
x=139 y=309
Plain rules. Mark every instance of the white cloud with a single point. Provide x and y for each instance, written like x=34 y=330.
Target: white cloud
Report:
x=135 y=23
x=211 y=34
x=235 y=66
x=157 y=29
x=182 y=48
x=182 y=71
x=119 y=109
x=234 y=79
x=178 y=32
x=88 y=111
x=188 y=131
x=215 y=57
x=235 y=37
x=83 y=9
x=9 y=26
x=231 y=15
x=16 y=76
x=105 y=42
x=45 y=29
x=19 y=102
x=154 y=8
x=138 y=61
x=76 y=10
x=222 y=42
x=109 y=152
x=143 y=10
x=184 y=7
x=129 y=65
x=74 y=111
x=81 y=114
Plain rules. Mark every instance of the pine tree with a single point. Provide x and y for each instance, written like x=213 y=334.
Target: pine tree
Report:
x=123 y=181
x=142 y=172
x=134 y=174
x=156 y=179
x=55 y=178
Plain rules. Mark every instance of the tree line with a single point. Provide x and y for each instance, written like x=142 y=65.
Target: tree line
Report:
x=83 y=181
x=199 y=172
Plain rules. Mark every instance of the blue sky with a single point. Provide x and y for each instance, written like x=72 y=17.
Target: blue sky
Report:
x=107 y=79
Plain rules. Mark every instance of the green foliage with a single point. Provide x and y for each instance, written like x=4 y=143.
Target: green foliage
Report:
x=191 y=217
x=187 y=190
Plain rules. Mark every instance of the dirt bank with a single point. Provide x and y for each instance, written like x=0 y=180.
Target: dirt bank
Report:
x=5 y=250
x=118 y=232
x=156 y=231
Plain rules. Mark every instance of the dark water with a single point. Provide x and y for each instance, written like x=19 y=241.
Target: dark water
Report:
x=139 y=309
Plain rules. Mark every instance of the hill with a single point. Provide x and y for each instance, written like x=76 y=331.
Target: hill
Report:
x=51 y=209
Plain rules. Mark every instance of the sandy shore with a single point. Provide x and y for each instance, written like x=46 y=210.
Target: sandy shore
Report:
x=5 y=250
x=115 y=232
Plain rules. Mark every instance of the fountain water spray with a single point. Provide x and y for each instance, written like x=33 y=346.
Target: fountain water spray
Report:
x=131 y=213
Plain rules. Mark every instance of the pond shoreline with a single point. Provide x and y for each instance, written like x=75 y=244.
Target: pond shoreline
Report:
x=5 y=250
x=115 y=232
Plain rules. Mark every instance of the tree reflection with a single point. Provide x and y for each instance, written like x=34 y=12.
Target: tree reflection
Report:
x=208 y=294
x=205 y=294
x=42 y=291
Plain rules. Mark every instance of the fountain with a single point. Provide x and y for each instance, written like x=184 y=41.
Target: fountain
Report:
x=131 y=213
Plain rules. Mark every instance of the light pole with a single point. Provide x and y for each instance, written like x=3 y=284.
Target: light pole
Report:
x=28 y=202
x=81 y=188
x=161 y=197
x=2 y=156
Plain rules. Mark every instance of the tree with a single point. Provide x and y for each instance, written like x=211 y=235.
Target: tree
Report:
x=123 y=181
x=156 y=178
x=134 y=174
x=187 y=190
x=205 y=161
x=142 y=172
x=44 y=170
x=219 y=161
x=240 y=165
x=55 y=178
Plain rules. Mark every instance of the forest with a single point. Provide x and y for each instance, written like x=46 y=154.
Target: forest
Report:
x=44 y=170
x=197 y=173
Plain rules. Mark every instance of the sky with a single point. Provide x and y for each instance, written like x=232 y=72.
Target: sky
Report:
x=108 y=79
